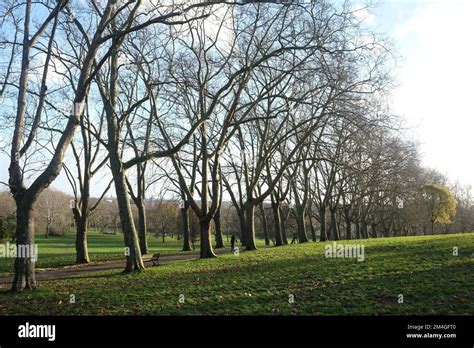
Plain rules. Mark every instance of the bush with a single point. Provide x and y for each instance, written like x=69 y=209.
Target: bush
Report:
x=56 y=231
x=3 y=230
x=7 y=226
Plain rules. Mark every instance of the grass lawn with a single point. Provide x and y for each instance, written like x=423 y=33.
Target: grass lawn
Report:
x=57 y=252
x=422 y=269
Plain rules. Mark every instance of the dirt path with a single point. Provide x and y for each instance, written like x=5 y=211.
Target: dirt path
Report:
x=70 y=271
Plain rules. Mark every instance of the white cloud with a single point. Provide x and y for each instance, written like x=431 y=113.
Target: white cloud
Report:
x=436 y=83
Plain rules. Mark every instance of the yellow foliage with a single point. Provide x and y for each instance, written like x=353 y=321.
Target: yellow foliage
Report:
x=441 y=203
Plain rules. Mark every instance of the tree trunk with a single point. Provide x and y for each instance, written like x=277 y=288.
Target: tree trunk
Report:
x=24 y=266
x=282 y=225
x=277 y=224
x=313 y=230
x=357 y=224
x=82 y=252
x=322 y=218
x=264 y=224
x=217 y=223
x=193 y=236
x=250 y=227
x=186 y=230
x=81 y=217
x=206 y=246
x=373 y=230
x=347 y=218
x=386 y=231
x=48 y=227
x=133 y=254
x=364 y=229
x=242 y=228
x=300 y=221
x=334 y=231
x=142 y=227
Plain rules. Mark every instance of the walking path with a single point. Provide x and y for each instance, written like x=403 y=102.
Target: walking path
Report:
x=69 y=271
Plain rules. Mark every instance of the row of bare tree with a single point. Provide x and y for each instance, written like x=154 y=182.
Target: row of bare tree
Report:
x=253 y=102
x=54 y=216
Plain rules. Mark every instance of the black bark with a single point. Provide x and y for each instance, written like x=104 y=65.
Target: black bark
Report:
x=264 y=224
x=206 y=246
x=218 y=226
x=277 y=224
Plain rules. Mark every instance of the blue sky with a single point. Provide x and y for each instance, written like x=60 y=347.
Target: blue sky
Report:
x=434 y=78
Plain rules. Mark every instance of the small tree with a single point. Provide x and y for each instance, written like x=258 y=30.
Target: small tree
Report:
x=7 y=226
x=440 y=203
x=3 y=231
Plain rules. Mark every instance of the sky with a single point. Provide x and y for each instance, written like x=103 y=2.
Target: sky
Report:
x=434 y=80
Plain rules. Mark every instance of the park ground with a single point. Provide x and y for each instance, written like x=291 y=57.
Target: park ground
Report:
x=289 y=280
x=59 y=251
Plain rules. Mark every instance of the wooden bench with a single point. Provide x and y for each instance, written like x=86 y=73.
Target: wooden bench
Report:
x=155 y=259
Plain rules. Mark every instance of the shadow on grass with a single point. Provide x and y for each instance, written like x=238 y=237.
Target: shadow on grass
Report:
x=442 y=289
x=321 y=285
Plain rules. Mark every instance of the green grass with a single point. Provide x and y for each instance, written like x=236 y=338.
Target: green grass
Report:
x=423 y=269
x=54 y=252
